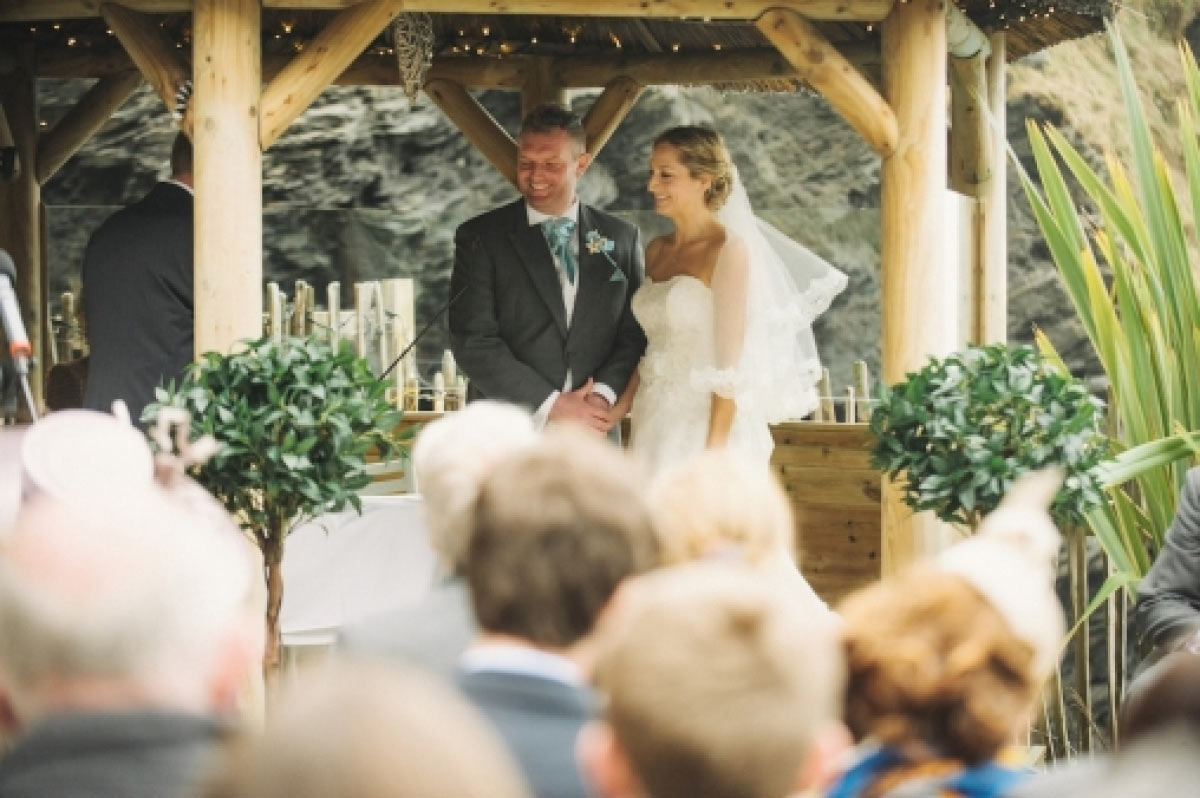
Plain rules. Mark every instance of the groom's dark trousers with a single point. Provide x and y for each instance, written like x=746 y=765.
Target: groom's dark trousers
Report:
x=508 y=326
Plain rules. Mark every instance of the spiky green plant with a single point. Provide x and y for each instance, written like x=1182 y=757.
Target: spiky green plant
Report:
x=1128 y=269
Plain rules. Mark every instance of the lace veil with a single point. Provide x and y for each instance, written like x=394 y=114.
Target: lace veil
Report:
x=766 y=356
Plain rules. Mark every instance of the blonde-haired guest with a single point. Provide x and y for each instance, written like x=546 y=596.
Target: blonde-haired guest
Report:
x=945 y=660
x=369 y=731
x=451 y=458
x=717 y=687
x=719 y=506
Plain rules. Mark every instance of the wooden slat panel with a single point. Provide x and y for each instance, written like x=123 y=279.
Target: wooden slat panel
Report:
x=818 y=485
x=830 y=457
x=838 y=549
x=819 y=434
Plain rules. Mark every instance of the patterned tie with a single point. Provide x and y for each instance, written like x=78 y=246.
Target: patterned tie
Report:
x=558 y=235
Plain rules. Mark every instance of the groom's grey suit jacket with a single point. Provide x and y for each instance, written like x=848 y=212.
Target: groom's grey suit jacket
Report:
x=508 y=329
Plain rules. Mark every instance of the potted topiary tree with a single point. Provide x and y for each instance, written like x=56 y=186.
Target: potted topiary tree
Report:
x=294 y=421
x=958 y=432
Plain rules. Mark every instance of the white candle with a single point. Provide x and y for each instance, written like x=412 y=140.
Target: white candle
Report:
x=439 y=393
x=333 y=296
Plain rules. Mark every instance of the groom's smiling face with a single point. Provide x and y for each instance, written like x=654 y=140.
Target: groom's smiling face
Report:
x=549 y=166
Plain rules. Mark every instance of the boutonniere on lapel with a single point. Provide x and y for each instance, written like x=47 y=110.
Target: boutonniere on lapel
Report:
x=598 y=244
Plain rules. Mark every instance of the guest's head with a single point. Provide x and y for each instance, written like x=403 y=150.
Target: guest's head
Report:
x=558 y=526
x=718 y=685
x=551 y=157
x=369 y=731
x=181 y=159
x=451 y=458
x=120 y=600
x=946 y=659
x=717 y=506
x=690 y=171
x=933 y=668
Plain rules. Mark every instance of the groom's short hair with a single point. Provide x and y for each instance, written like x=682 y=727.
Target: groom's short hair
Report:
x=550 y=118
x=558 y=527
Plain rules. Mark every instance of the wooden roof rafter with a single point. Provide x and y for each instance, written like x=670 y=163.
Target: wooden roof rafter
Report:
x=873 y=10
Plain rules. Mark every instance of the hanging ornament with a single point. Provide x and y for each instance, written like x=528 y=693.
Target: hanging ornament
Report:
x=412 y=39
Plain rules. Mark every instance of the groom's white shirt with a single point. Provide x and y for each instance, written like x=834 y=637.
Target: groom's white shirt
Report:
x=569 y=288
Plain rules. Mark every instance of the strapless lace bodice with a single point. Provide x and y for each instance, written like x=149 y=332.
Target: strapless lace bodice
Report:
x=677 y=317
x=672 y=406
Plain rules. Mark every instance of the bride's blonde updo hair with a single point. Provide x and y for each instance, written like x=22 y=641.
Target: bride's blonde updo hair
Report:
x=703 y=152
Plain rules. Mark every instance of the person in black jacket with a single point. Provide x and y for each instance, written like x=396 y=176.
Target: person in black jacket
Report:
x=1167 y=615
x=137 y=293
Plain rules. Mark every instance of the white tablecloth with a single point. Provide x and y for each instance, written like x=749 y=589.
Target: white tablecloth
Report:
x=344 y=567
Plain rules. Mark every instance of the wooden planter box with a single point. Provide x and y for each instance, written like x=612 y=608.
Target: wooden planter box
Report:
x=836 y=497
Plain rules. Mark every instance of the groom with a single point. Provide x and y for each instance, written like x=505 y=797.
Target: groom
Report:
x=543 y=285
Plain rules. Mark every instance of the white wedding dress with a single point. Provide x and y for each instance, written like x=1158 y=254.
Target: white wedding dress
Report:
x=747 y=337
x=678 y=374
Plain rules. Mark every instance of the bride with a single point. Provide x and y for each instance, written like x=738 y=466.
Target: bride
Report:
x=727 y=307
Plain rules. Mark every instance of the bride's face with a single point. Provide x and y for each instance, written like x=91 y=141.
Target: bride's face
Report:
x=674 y=189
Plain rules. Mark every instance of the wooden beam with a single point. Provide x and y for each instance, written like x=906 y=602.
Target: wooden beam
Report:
x=38 y=10
x=19 y=199
x=869 y=10
x=480 y=127
x=667 y=69
x=83 y=62
x=828 y=71
x=841 y=10
x=152 y=52
x=228 y=173
x=327 y=56
x=80 y=123
x=609 y=109
x=917 y=307
x=511 y=72
x=541 y=87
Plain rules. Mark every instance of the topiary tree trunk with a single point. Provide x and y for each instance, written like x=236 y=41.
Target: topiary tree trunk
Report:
x=272 y=549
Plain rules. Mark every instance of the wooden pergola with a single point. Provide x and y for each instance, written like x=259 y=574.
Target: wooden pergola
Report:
x=886 y=66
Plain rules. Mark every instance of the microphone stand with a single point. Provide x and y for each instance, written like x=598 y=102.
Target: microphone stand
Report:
x=13 y=375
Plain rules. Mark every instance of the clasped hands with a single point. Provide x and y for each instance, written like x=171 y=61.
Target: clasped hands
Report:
x=585 y=406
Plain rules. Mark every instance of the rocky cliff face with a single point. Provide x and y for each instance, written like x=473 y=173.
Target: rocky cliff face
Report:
x=366 y=185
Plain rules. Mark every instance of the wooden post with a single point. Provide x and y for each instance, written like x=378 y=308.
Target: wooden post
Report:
x=915 y=303
x=970 y=142
x=155 y=57
x=83 y=120
x=992 y=210
x=541 y=86
x=606 y=113
x=825 y=69
x=228 y=173
x=978 y=170
x=20 y=198
x=327 y=56
x=480 y=127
